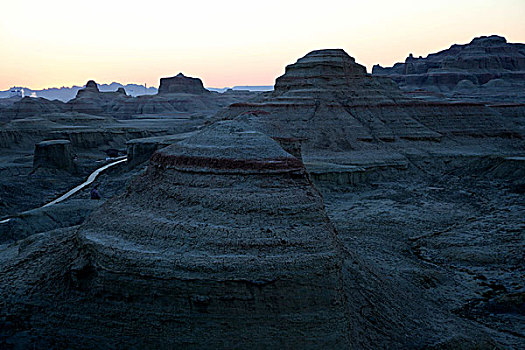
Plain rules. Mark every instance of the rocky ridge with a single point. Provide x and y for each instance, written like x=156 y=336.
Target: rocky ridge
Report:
x=487 y=69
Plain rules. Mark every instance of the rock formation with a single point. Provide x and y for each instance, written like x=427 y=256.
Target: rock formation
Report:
x=179 y=95
x=487 y=69
x=180 y=84
x=84 y=131
x=222 y=243
x=121 y=91
x=344 y=115
x=90 y=100
x=91 y=88
x=55 y=154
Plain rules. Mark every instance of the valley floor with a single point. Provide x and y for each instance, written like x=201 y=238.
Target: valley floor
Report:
x=449 y=252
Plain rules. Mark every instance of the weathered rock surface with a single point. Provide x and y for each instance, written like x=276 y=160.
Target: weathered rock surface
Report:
x=177 y=95
x=55 y=154
x=487 y=69
x=222 y=243
x=91 y=100
x=181 y=84
x=450 y=239
x=46 y=219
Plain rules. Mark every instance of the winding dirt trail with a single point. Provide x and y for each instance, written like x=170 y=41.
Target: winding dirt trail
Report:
x=74 y=190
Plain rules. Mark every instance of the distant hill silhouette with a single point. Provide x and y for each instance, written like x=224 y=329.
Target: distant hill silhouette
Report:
x=67 y=93
x=243 y=87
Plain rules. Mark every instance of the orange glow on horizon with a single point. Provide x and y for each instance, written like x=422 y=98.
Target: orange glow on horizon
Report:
x=61 y=43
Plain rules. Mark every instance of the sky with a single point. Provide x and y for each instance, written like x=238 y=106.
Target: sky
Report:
x=54 y=43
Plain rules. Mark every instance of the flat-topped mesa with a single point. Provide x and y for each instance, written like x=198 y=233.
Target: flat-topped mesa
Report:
x=490 y=40
x=227 y=147
x=181 y=84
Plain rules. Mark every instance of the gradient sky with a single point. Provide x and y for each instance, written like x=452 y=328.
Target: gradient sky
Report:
x=53 y=43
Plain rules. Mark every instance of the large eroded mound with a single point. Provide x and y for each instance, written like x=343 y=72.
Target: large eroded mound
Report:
x=222 y=243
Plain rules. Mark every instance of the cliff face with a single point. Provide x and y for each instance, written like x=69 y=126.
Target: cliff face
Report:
x=488 y=69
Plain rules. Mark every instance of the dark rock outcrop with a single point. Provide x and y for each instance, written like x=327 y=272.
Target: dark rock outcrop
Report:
x=223 y=242
x=121 y=91
x=181 y=84
x=487 y=69
x=55 y=154
x=178 y=95
x=84 y=131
